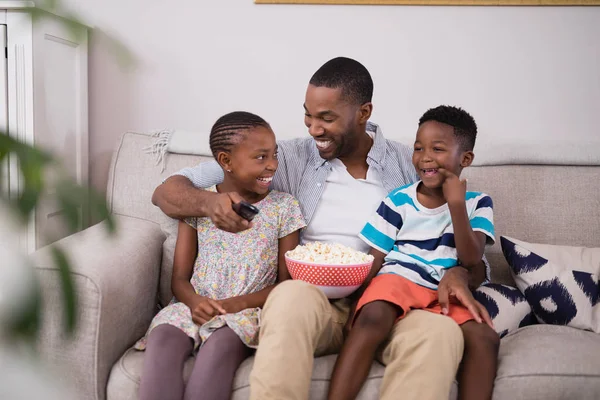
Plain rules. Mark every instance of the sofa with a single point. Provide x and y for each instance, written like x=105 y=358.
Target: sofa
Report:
x=121 y=280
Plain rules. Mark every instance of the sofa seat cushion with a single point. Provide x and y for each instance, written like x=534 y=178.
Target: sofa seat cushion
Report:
x=548 y=362
x=124 y=380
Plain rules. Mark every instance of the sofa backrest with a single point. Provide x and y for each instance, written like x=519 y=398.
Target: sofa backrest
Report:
x=552 y=204
x=134 y=175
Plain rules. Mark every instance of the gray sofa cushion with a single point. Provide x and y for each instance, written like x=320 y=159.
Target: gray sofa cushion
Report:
x=549 y=362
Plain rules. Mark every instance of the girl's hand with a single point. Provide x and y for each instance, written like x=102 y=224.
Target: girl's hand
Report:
x=233 y=305
x=205 y=309
x=455 y=189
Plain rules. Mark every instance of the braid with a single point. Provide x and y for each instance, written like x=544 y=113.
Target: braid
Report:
x=228 y=130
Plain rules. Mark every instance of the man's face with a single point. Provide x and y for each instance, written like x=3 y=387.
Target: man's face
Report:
x=332 y=121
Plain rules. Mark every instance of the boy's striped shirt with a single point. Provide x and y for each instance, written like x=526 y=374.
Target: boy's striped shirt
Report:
x=418 y=241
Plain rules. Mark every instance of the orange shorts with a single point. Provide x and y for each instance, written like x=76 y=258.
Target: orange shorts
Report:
x=408 y=296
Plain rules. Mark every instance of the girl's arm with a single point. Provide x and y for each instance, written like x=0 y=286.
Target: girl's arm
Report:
x=253 y=300
x=186 y=249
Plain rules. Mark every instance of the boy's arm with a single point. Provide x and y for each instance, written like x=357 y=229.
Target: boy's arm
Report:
x=378 y=258
x=469 y=244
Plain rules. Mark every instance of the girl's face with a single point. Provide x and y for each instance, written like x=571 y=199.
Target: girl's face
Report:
x=253 y=161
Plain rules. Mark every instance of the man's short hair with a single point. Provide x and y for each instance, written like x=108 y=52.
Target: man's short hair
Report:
x=465 y=128
x=346 y=74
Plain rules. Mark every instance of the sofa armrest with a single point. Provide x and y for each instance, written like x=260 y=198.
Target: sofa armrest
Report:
x=116 y=281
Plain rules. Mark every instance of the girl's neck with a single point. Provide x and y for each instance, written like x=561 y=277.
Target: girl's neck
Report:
x=229 y=185
x=430 y=198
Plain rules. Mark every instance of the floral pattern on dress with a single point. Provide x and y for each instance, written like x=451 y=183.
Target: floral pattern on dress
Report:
x=234 y=264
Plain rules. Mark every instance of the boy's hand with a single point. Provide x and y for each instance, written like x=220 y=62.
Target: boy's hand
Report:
x=453 y=288
x=205 y=309
x=455 y=189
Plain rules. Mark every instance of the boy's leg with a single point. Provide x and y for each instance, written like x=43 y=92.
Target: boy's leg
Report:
x=297 y=321
x=215 y=366
x=421 y=357
x=372 y=326
x=162 y=375
x=477 y=371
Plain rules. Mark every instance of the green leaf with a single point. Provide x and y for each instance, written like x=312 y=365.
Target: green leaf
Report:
x=28 y=323
x=68 y=288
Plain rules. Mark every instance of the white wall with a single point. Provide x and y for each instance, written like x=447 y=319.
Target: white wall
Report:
x=527 y=74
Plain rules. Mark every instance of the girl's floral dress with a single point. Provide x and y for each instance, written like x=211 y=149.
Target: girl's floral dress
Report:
x=234 y=264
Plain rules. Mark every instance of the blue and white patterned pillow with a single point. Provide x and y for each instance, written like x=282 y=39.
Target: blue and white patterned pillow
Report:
x=559 y=282
x=507 y=307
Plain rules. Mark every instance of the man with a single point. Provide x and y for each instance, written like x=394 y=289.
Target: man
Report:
x=339 y=176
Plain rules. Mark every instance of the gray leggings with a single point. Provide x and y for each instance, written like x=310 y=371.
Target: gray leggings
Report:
x=214 y=368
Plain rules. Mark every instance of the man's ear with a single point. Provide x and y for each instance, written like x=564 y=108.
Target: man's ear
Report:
x=224 y=160
x=467 y=159
x=364 y=113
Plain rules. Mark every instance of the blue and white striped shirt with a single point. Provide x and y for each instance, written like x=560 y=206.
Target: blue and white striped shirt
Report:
x=419 y=241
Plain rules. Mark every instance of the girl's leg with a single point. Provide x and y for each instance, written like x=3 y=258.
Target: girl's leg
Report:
x=477 y=371
x=372 y=326
x=162 y=375
x=216 y=363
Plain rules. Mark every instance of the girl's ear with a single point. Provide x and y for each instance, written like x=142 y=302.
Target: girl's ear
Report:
x=467 y=159
x=224 y=160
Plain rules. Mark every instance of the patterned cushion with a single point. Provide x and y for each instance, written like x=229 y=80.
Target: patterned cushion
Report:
x=507 y=307
x=559 y=282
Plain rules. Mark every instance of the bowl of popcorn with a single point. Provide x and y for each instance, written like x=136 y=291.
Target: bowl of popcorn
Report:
x=336 y=269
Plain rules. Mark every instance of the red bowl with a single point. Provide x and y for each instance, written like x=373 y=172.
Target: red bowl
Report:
x=336 y=281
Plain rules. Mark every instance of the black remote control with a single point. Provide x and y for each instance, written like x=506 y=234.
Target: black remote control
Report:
x=245 y=210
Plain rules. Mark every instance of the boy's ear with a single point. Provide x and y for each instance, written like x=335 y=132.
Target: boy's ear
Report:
x=364 y=113
x=467 y=159
x=224 y=160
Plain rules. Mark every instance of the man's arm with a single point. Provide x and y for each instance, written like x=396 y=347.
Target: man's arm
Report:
x=180 y=196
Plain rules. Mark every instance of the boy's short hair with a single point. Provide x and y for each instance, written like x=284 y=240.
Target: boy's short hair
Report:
x=348 y=75
x=465 y=128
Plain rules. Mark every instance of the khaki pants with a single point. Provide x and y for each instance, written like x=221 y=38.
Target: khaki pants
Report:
x=298 y=322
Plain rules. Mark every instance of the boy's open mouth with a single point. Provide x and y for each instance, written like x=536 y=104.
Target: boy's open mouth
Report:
x=429 y=171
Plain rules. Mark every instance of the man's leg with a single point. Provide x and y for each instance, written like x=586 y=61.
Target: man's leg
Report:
x=215 y=366
x=371 y=328
x=477 y=372
x=421 y=357
x=297 y=321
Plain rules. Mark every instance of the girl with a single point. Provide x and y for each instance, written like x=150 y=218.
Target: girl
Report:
x=221 y=279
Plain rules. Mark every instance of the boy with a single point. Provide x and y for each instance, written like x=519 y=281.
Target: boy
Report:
x=419 y=231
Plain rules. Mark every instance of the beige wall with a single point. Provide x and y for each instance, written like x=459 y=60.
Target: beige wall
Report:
x=527 y=74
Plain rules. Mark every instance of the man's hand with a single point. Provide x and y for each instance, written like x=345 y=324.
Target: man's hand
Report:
x=205 y=309
x=221 y=213
x=233 y=305
x=454 y=288
x=455 y=189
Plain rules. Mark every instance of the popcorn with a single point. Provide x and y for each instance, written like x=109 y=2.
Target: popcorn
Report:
x=328 y=253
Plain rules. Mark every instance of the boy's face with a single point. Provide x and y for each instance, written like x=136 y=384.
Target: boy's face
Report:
x=436 y=147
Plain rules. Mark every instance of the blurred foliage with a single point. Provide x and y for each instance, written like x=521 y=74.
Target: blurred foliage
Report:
x=35 y=167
